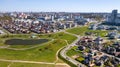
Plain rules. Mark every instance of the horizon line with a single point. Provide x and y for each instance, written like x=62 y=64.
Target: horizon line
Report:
x=58 y=11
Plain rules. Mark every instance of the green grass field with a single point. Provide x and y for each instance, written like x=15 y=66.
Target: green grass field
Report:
x=15 y=64
x=60 y=35
x=82 y=30
x=43 y=53
x=30 y=65
x=4 y=64
x=72 y=52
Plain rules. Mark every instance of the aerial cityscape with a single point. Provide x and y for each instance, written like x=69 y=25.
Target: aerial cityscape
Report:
x=78 y=33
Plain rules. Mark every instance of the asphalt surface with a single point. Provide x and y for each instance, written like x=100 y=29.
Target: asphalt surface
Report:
x=68 y=47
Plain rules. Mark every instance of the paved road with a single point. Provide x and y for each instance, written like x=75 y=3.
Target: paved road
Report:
x=110 y=55
x=68 y=47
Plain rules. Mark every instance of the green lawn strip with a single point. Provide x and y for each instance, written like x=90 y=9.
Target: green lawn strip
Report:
x=78 y=30
x=101 y=33
x=45 y=53
x=15 y=35
x=79 y=55
x=66 y=61
x=82 y=30
x=4 y=64
x=30 y=65
x=80 y=59
x=59 y=61
x=61 y=35
x=22 y=46
x=72 y=51
x=119 y=65
x=1 y=42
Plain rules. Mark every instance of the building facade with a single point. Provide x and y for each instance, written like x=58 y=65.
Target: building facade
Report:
x=113 y=18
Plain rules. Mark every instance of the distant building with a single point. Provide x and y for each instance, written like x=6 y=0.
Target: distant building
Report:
x=114 y=18
x=113 y=35
x=1 y=32
x=98 y=40
x=93 y=26
x=80 y=21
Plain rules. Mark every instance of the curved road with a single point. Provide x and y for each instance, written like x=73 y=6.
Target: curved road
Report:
x=68 y=47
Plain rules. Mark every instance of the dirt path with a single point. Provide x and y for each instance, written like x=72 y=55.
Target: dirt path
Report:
x=22 y=61
x=35 y=62
x=58 y=52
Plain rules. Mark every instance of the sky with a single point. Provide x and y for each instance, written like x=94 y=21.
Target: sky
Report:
x=59 y=5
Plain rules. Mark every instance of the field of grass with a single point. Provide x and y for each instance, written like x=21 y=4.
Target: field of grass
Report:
x=82 y=30
x=60 y=35
x=44 y=53
x=80 y=59
x=72 y=52
x=15 y=64
x=30 y=65
x=78 y=30
x=4 y=64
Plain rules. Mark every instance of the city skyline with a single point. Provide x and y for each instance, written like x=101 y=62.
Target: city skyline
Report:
x=59 y=5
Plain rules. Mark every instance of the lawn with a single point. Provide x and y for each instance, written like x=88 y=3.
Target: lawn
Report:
x=80 y=59
x=82 y=30
x=30 y=65
x=4 y=64
x=44 y=53
x=72 y=52
x=119 y=65
x=75 y=52
x=61 y=35
x=17 y=64
x=78 y=30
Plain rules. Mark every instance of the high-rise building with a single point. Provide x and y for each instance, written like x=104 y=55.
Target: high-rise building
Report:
x=113 y=15
x=113 y=18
